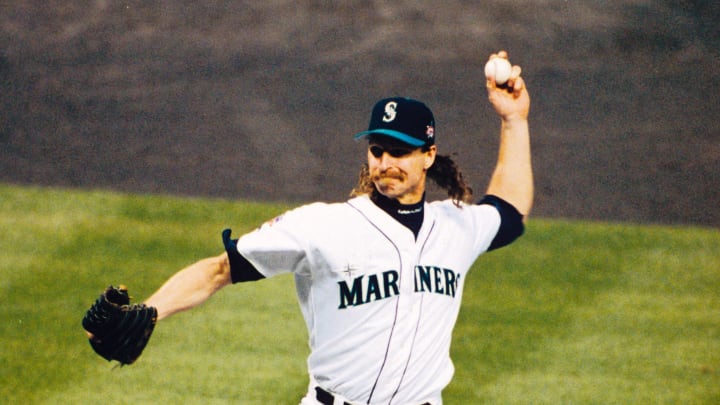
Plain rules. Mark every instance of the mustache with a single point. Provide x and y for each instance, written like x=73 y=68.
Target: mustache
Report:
x=388 y=174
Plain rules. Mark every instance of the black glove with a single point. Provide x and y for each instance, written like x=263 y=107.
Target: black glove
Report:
x=119 y=331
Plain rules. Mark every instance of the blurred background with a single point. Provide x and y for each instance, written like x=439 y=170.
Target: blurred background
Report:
x=259 y=100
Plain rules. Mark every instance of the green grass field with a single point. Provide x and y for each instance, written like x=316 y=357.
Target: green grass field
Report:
x=573 y=313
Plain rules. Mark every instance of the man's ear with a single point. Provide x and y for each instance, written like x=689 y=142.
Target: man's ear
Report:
x=430 y=156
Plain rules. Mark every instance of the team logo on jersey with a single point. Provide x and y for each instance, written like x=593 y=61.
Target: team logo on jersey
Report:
x=436 y=280
x=373 y=288
x=369 y=288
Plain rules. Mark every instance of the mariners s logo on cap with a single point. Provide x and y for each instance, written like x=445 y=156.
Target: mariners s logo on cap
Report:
x=404 y=119
x=390 y=111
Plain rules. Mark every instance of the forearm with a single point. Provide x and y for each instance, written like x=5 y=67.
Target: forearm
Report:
x=191 y=286
x=512 y=179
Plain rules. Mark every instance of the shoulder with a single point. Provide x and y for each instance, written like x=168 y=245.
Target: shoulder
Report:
x=512 y=225
x=464 y=211
x=316 y=212
x=469 y=219
x=321 y=208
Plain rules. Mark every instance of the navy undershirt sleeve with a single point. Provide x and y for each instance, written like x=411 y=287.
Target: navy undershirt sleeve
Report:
x=511 y=221
x=241 y=269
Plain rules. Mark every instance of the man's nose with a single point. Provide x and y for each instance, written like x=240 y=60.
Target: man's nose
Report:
x=385 y=160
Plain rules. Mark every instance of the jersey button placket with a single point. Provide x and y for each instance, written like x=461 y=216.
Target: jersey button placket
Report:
x=401 y=345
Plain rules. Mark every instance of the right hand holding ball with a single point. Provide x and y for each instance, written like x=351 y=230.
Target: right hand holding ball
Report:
x=499 y=69
x=506 y=88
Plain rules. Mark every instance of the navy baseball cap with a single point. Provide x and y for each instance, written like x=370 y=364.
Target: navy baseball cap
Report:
x=404 y=119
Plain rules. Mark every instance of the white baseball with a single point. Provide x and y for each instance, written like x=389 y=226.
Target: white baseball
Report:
x=499 y=68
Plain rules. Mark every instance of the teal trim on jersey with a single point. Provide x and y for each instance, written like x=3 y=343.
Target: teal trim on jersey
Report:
x=401 y=136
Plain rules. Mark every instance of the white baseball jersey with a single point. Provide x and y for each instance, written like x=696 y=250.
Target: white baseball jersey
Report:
x=379 y=304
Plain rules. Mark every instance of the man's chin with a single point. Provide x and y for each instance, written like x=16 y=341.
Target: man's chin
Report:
x=387 y=188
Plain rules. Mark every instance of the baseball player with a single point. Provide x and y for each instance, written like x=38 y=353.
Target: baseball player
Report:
x=380 y=277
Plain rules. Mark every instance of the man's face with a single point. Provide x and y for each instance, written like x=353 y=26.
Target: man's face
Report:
x=397 y=169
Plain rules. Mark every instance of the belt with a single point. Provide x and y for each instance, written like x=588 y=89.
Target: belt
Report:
x=327 y=398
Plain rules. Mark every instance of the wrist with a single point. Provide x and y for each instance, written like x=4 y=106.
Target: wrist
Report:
x=514 y=120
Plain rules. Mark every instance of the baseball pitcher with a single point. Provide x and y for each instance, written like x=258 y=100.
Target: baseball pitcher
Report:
x=379 y=277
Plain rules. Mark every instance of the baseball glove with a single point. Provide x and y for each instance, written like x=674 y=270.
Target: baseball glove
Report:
x=119 y=331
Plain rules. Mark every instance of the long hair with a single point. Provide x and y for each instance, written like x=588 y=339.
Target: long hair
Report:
x=444 y=172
